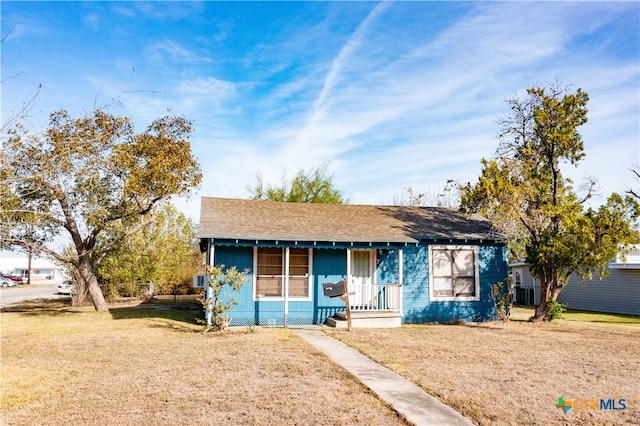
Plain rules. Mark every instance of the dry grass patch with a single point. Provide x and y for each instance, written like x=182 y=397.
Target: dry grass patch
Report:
x=139 y=366
x=513 y=373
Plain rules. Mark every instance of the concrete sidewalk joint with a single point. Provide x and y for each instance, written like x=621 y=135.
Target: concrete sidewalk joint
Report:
x=413 y=403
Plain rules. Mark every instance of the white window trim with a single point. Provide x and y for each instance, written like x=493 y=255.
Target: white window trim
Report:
x=517 y=271
x=476 y=275
x=284 y=296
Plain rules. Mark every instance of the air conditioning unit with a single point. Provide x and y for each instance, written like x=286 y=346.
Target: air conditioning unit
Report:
x=200 y=281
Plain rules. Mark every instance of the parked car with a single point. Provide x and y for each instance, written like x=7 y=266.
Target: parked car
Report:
x=7 y=282
x=17 y=278
x=66 y=287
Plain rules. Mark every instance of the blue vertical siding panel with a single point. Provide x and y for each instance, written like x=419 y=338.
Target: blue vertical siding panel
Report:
x=242 y=259
x=492 y=265
x=248 y=311
x=329 y=266
x=415 y=289
x=387 y=266
x=300 y=312
x=268 y=313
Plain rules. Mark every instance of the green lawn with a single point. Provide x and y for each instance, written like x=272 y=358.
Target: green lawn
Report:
x=522 y=313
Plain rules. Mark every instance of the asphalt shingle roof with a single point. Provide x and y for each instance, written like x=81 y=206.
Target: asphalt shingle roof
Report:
x=226 y=218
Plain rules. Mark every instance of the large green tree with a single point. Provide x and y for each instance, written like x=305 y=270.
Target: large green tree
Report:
x=526 y=195
x=82 y=178
x=165 y=252
x=314 y=186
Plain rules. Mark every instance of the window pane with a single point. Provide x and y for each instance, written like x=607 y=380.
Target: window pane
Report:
x=298 y=287
x=300 y=256
x=463 y=263
x=442 y=287
x=298 y=271
x=298 y=262
x=361 y=264
x=269 y=272
x=268 y=286
x=518 y=279
x=441 y=263
x=465 y=287
x=269 y=261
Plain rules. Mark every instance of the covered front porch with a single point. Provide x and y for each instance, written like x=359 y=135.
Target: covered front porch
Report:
x=373 y=302
x=371 y=306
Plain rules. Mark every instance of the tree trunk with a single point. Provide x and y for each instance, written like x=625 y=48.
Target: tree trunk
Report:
x=549 y=292
x=542 y=310
x=88 y=275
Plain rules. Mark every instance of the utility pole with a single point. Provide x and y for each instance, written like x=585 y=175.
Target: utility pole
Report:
x=29 y=265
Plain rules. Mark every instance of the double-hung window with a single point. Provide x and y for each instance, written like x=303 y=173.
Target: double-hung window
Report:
x=277 y=266
x=453 y=273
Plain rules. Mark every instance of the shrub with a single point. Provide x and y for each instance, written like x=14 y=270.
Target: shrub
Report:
x=216 y=303
x=556 y=309
x=502 y=301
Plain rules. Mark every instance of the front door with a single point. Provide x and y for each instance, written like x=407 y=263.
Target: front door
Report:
x=362 y=272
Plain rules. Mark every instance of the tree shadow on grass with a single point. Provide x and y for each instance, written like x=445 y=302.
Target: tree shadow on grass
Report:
x=179 y=317
x=51 y=307
x=168 y=316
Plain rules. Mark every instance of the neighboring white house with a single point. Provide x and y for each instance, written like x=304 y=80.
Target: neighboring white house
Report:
x=42 y=270
x=618 y=292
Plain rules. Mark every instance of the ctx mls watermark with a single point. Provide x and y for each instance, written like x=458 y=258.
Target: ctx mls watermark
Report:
x=591 y=404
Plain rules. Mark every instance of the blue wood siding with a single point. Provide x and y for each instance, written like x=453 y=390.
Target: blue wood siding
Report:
x=387 y=266
x=418 y=308
x=248 y=311
x=330 y=265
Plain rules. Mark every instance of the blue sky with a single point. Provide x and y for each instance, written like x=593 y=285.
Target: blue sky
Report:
x=392 y=95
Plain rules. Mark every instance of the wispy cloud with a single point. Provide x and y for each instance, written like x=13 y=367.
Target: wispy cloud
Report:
x=392 y=94
x=170 y=50
x=454 y=81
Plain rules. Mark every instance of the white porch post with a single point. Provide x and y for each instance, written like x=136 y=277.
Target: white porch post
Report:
x=209 y=262
x=212 y=252
x=285 y=283
x=400 y=277
x=348 y=278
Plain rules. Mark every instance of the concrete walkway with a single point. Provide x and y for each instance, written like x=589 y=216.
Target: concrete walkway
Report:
x=405 y=397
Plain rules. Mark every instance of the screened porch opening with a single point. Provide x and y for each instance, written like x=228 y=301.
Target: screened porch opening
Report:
x=271 y=271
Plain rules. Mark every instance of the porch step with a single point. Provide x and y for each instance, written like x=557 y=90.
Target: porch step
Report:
x=366 y=319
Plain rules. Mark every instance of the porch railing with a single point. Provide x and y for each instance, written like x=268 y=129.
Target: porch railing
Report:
x=380 y=297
